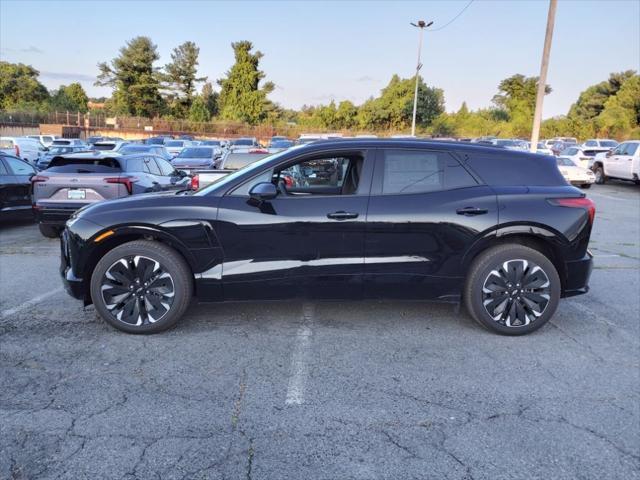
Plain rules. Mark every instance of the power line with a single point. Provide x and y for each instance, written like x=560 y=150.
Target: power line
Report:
x=453 y=19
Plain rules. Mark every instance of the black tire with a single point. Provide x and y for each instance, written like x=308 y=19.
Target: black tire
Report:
x=169 y=292
x=601 y=178
x=483 y=281
x=585 y=185
x=50 y=231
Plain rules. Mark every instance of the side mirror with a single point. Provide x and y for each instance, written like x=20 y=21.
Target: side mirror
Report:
x=609 y=153
x=263 y=191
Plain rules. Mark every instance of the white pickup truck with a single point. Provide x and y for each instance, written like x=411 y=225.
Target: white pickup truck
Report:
x=622 y=163
x=230 y=162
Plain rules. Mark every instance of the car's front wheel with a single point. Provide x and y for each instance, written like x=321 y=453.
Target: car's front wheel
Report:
x=600 y=176
x=141 y=287
x=49 y=231
x=512 y=289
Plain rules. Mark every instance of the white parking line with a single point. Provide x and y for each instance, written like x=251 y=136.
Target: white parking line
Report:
x=29 y=303
x=299 y=371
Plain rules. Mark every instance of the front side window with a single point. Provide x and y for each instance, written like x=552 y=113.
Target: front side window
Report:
x=631 y=149
x=19 y=167
x=620 y=149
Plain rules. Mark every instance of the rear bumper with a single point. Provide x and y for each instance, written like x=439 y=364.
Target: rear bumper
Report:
x=578 y=273
x=72 y=284
x=58 y=216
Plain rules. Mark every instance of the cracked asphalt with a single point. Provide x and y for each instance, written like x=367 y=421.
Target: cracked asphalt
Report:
x=393 y=390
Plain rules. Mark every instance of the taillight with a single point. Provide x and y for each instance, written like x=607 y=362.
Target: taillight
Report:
x=17 y=150
x=581 y=202
x=258 y=150
x=288 y=181
x=126 y=181
x=39 y=178
x=195 y=182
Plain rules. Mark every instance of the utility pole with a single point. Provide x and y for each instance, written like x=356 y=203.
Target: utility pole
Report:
x=542 y=82
x=421 y=25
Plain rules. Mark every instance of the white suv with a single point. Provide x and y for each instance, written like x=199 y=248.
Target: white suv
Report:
x=622 y=163
x=26 y=148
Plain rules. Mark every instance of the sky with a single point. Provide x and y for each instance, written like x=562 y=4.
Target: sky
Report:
x=318 y=51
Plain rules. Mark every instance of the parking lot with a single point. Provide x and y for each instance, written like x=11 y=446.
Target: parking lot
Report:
x=329 y=390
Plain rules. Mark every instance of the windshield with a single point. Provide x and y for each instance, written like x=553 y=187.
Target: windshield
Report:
x=542 y=145
x=281 y=144
x=243 y=141
x=174 y=143
x=214 y=143
x=252 y=167
x=608 y=143
x=196 y=153
x=565 y=162
x=506 y=143
x=61 y=142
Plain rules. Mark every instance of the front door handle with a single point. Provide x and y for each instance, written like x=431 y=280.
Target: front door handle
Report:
x=342 y=215
x=470 y=211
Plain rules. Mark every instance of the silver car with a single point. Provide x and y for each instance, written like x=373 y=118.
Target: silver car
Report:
x=192 y=158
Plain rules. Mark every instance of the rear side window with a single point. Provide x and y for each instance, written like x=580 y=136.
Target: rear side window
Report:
x=515 y=169
x=136 y=165
x=415 y=171
x=165 y=167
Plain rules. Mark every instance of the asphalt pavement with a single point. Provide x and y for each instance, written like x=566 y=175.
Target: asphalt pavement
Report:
x=323 y=390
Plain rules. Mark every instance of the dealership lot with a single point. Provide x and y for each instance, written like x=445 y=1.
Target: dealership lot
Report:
x=323 y=390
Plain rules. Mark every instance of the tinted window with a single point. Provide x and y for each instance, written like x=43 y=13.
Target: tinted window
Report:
x=591 y=143
x=151 y=165
x=3 y=169
x=136 y=165
x=19 y=167
x=515 y=168
x=565 y=162
x=132 y=149
x=174 y=143
x=407 y=171
x=197 y=152
x=165 y=167
x=608 y=143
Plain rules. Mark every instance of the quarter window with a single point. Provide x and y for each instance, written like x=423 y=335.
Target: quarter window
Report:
x=19 y=167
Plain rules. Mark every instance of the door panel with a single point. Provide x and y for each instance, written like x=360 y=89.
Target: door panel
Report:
x=308 y=245
x=415 y=242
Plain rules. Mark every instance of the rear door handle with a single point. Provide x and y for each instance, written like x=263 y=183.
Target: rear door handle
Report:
x=470 y=211
x=342 y=215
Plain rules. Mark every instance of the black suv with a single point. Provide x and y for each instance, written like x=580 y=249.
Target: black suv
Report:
x=500 y=230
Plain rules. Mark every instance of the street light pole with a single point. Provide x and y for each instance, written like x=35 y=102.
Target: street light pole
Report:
x=421 y=25
x=542 y=81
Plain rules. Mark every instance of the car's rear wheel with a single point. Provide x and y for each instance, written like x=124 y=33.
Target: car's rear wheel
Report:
x=49 y=231
x=600 y=176
x=585 y=185
x=512 y=289
x=141 y=287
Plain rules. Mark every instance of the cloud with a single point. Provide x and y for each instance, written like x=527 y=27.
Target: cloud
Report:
x=365 y=78
x=76 y=77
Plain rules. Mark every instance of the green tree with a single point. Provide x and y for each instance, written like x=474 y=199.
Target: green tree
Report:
x=198 y=111
x=210 y=98
x=69 y=98
x=241 y=95
x=345 y=116
x=181 y=74
x=19 y=86
x=134 y=79
x=591 y=101
x=621 y=114
x=518 y=94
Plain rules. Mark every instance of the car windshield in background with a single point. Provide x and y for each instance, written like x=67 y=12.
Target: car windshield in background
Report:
x=196 y=153
x=507 y=143
x=541 y=145
x=565 y=162
x=60 y=150
x=281 y=144
x=61 y=142
x=134 y=149
x=174 y=143
x=243 y=142
x=212 y=143
x=609 y=143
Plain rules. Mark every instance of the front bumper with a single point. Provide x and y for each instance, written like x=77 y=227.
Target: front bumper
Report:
x=72 y=284
x=57 y=216
x=577 y=276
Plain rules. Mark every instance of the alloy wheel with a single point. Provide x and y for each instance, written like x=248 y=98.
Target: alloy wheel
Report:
x=516 y=293
x=137 y=290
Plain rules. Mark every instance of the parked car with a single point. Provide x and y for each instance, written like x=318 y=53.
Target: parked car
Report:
x=235 y=160
x=25 y=148
x=509 y=143
x=174 y=147
x=192 y=158
x=15 y=187
x=159 y=140
x=110 y=145
x=574 y=173
x=599 y=143
x=279 y=145
x=541 y=148
x=567 y=140
x=397 y=219
x=581 y=156
x=622 y=163
x=218 y=146
x=68 y=141
x=158 y=150
x=45 y=140
x=56 y=151
x=74 y=181
x=245 y=143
